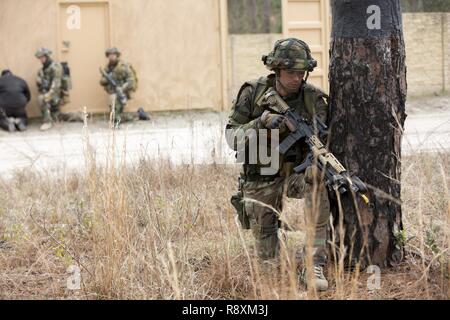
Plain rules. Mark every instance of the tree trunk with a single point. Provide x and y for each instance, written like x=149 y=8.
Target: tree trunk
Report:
x=267 y=15
x=367 y=108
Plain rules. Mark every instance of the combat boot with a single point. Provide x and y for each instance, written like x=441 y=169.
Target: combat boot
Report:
x=7 y=125
x=143 y=116
x=46 y=126
x=319 y=282
x=320 y=259
x=11 y=126
x=20 y=124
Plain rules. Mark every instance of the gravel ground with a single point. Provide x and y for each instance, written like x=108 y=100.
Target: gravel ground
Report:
x=181 y=137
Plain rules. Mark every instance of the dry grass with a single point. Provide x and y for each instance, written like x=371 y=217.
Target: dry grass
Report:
x=154 y=231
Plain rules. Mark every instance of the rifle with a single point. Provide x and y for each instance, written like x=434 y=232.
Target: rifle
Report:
x=336 y=176
x=44 y=86
x=119 y=92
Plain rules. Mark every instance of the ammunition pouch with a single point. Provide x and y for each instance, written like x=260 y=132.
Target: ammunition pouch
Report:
x=238 y=203
x=252 y=173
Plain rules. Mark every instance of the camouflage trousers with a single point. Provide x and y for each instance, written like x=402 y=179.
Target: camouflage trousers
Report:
x=119 y=115
x=51 y=111
x=263 y=197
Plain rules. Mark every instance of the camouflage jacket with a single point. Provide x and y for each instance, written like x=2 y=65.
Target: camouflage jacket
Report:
x=124 y=76
x=49 y=80
x=249 y=106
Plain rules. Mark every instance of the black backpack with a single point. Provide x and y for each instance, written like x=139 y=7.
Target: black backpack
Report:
x=66 y=83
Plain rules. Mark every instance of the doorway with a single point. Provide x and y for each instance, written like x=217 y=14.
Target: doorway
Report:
x=84 y=34
x=310 y=20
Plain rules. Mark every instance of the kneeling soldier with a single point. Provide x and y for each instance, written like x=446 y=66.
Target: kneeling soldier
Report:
x=291 y=62
x=119 y=80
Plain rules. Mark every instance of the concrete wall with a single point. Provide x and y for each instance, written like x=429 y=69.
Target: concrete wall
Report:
x=427 y=54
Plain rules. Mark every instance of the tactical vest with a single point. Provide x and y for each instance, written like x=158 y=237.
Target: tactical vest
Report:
x=118 y=75
x=261 y=85
x=46 y=76
x=304 y=105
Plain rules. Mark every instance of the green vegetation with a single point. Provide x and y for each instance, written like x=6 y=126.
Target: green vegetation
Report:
x=425 y=5
x=254 y=16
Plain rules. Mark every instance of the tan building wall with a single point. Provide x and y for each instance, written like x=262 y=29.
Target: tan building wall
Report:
x=176 y=47
x=427 y=49
x=184 y=61
x=17 y=20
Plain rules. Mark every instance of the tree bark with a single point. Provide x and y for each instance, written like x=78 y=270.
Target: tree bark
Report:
x=367 y=107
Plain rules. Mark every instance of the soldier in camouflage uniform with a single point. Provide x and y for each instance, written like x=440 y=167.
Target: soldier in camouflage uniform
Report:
x=49 y=81
x=53 y=88
x=125 y=77
x=291 y=61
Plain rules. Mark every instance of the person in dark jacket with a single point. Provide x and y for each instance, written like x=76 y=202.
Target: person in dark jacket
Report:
x=14 y=97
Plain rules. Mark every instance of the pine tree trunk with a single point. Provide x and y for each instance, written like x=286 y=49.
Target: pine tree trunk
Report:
x=367 y=106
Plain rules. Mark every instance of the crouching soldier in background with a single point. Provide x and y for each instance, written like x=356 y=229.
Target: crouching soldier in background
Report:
x=260 y=196
x=119 y=79
x=14 y=97
x=54 y=84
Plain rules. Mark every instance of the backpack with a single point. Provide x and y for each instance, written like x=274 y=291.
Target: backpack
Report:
x=66 y=82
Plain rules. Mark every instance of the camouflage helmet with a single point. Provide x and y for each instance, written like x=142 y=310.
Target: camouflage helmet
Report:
x=113 y=50
x=291 y=54
x=43 y=52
